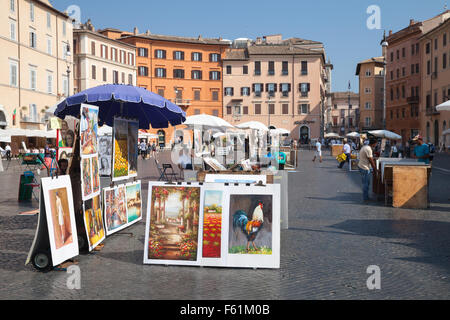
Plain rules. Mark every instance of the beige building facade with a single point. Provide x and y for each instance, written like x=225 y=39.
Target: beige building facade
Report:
x=101 y=60
x=343 y=116
x=35 y=41
x=435 y=46
x=278 y=83
x=371 y=93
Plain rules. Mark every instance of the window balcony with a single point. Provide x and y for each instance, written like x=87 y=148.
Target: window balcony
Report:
x=182 y=102
x=413 y=99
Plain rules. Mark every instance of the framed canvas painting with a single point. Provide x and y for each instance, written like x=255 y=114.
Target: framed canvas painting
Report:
x=115 y=209
x=88 y=130
x=105 y=155
x=60 y=215
x=254 y=226
x=173 y=225
x=86 y=179
x=120 y=150
x=134 y=202
x=93 y=221
x=133 y=129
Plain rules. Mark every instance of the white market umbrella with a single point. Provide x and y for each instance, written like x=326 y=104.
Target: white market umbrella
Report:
x=446 y=132
x=5 y=136
x=104 y=131
x=386 y=134
x=280 y=131
x=206 y=120
x=444 y=106
x=255 y=125
x=219 y=134
x=332 y=135
x=353 y=135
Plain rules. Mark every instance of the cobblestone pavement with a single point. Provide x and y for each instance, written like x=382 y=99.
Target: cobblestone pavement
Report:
x=332 y=239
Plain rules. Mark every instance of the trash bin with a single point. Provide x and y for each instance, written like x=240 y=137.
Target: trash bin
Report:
x=25 y=191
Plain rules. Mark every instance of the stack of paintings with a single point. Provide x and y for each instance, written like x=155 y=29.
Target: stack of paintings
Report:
x=213 y=225
x=122 y=206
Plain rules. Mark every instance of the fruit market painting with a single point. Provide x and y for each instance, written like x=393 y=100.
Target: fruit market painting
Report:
x=174 y=223
x=212 y=224
x=120 y=160
x=250 y=224
x=88 y=130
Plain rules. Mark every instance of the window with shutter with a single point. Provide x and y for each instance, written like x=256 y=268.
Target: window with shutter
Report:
x=285 y=108
x=257 y=108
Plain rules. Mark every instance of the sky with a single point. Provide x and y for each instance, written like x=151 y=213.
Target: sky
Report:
x=340 y=25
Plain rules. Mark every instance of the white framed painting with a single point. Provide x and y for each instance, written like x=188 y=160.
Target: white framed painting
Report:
x=253 y=226
x=88 y=130
x=120 y=163
x=133 y=195
x=173 y=228
x=90 y=177
x=93 y=222
x=115 y=209
x=235 y=178
x=214 y=236
x=60 y=215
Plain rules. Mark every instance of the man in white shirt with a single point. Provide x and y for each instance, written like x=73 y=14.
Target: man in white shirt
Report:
x=348 y=152
x=318 y=152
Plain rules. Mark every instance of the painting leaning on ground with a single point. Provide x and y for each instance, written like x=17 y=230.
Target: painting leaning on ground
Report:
x=174 y=219
x=250 y=224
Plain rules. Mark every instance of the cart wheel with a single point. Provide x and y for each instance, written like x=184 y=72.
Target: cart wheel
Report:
x=42 y=261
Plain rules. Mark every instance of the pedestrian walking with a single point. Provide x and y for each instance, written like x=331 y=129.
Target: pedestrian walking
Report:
x=143 y=148
x=366 y=161
x=347 y=150
x=318 y=153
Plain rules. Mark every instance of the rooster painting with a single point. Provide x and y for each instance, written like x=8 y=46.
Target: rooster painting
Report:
x=252 y=227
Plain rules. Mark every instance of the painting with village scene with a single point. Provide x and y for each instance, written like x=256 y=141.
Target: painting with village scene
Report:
x=115 y=209
x=173 y=224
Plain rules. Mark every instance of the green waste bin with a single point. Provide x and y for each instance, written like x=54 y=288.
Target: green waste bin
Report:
x=25 y=192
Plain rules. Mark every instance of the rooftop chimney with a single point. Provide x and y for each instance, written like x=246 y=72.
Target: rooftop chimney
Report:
x=200 y=37
x=411 y=22
x=135 y=31
x=147 y=33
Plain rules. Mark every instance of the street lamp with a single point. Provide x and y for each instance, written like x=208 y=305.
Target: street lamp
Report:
x=68 y=54
x=384 y=45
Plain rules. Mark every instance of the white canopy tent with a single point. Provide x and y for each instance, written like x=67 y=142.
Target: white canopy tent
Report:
x=332 y=135
x=444 y=106
x=353 y=135
x=5 y=136
x=206 y=121
x=279 y=131
x=385 y=134
x=255 y=125
x=104 y=131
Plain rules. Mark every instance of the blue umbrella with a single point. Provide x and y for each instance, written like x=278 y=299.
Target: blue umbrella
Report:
x=124 y=101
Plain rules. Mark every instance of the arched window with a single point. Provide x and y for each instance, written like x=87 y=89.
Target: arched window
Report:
x=162 y=138
x=3 y=122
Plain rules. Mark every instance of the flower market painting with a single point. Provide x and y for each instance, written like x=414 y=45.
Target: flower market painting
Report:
x=212 y=223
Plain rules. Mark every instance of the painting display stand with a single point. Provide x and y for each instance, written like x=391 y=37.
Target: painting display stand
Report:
x=49 y=250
